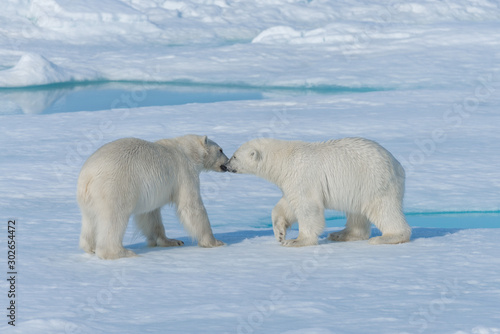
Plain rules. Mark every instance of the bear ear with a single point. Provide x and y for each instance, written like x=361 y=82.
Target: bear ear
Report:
x=255 y=155
x=204 y=140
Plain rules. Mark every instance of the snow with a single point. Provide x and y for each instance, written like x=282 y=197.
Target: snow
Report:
x=343 y=44
x=422 y=79
x=36 y=70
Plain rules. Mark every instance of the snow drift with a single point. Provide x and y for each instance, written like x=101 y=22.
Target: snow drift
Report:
x=35 y=70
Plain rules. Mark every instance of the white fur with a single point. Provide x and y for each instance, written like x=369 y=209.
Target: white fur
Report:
x=135 y=177
x=353 y=175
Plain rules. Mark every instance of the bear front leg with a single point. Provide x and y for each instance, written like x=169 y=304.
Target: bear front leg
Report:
x=193 y=216
x=282 y=218
x=279 y=228
x=357 y=228
x=311 y=223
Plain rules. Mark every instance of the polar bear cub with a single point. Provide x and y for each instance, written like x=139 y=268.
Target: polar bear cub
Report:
x=353 y=175
x=131 y=176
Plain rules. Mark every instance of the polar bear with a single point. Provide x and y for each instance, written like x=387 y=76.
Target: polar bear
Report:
x=131 y=176
x=353 y=175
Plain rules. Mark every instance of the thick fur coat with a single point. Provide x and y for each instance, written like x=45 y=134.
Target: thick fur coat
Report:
x=353 y=175
x=135 y=177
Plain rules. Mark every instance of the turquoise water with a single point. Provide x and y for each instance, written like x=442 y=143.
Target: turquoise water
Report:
x=71 y=97
x=459 y=220
x=455 y=220
x=101 y=96
x=440 y=220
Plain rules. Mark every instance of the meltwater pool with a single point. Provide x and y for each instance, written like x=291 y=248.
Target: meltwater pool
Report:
x=92 y=96
x=61 y=98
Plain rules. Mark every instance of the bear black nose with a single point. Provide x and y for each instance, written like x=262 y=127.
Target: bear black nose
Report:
x=223 y=168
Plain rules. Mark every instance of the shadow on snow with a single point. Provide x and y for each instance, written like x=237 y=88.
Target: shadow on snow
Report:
x=236 y=237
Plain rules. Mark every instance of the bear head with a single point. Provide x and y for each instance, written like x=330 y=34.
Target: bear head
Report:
x=245 y=160
x=203 y=152
x=213 y=155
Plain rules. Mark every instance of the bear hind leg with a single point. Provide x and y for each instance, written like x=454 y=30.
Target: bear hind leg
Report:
x=87 y=234
x=357 y=228
x=109 y=242
x=391 y=221
x=152 y=227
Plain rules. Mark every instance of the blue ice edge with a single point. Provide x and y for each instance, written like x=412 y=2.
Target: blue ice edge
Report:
x=320 y=88
x=441 y=219
x=430 y=219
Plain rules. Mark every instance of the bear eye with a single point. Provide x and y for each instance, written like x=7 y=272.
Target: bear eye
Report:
x=220 y=150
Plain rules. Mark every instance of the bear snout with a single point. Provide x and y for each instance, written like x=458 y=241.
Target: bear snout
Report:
x=226 y=168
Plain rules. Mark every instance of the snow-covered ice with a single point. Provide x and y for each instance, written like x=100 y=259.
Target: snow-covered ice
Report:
x=422 y=79
x=35 y=70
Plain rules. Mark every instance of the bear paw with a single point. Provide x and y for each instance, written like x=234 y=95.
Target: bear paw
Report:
x=279 y=233
x=111 y=254
x=87 y=248
x=280 y=236
x=165 y=242
x=346 y=236
x=211 y=243
x=390 y=239
x=299 y=242
x=279 y=229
